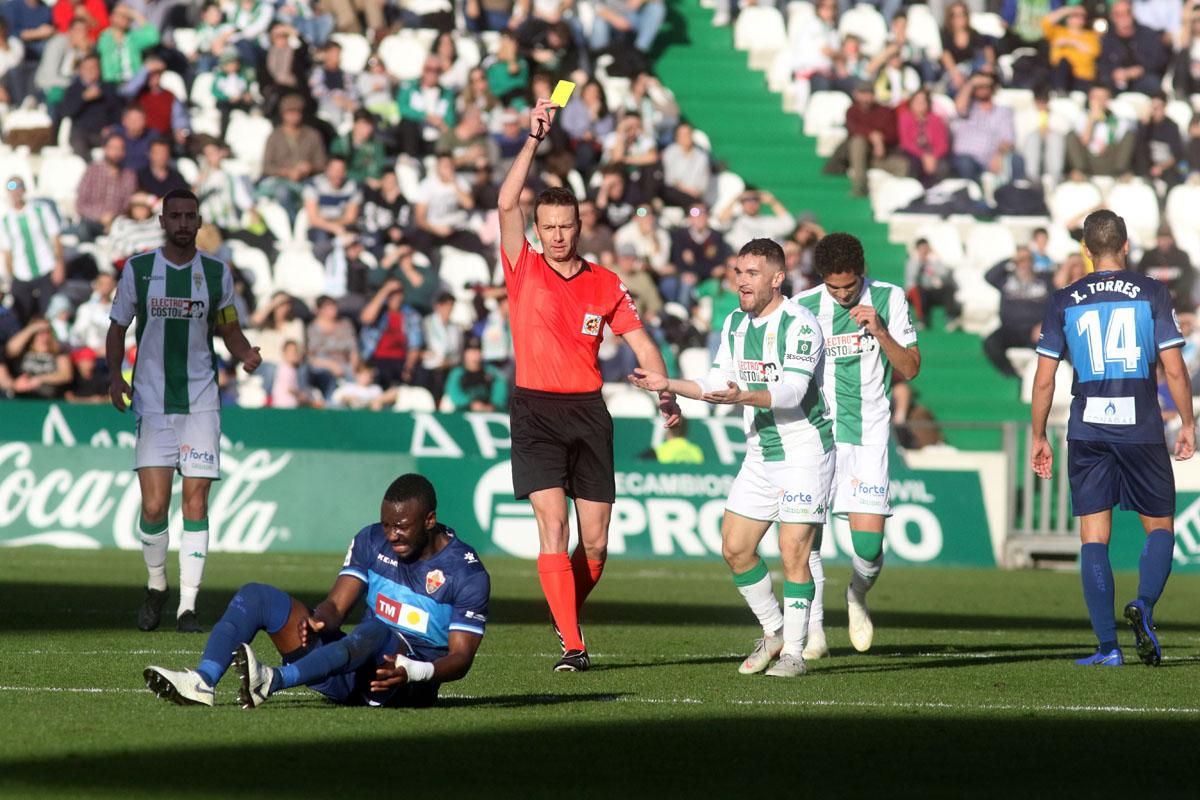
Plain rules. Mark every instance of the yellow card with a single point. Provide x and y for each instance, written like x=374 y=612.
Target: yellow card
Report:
x=562 y=93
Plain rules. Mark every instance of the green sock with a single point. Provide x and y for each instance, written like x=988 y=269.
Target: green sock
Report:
x=867 y=545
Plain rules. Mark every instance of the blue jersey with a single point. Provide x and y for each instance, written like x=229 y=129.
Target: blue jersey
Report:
x=421 y=601
x=1111 y=326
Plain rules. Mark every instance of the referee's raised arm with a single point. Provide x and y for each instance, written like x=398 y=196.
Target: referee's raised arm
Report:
x=512 y=221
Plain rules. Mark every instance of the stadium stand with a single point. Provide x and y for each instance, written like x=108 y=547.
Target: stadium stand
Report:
x=738 y=87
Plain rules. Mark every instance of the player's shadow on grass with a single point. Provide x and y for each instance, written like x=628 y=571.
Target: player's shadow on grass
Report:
x=633 y=750
x=530 y=700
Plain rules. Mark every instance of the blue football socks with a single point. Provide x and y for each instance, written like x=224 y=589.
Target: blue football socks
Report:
x=1095 y=571
x=255 y=607
x=364 y=643
x=1155 y=565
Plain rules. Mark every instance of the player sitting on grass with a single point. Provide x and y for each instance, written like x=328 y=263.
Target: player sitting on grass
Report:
x=770 y=350
x=426 y=606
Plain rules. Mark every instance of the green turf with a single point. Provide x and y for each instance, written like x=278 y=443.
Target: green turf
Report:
x=969 y=692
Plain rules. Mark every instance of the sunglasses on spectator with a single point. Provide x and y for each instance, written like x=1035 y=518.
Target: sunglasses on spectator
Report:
x=643 y=211
x=695 y=211
x=12 y=186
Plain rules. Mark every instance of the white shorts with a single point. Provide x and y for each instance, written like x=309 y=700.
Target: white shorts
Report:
x=790 y=493
x=189 y=443
x=861 y=483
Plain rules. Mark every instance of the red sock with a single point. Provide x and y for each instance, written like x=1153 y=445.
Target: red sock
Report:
x=587 y=574
x=558 y=584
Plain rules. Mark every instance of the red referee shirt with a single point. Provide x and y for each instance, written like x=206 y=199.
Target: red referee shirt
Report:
x=557 y=323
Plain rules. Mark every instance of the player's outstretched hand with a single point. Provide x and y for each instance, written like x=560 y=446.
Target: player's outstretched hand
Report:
x=1042 y=458
x=308 y=624
x=731 y=396
x=390 y=674
x=118 y=390
x=1185 y=443
x=650 y=381
x=252 y=360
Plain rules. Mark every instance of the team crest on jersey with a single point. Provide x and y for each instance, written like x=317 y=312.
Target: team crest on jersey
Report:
x=758 y=371
x=434 y=580
x=197 y=279
x=591 y=324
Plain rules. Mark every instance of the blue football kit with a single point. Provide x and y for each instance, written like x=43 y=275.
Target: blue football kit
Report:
x=420 y=603
x=1111 y=326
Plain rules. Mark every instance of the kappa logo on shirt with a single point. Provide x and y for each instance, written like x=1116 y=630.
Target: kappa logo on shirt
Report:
x=592 y=324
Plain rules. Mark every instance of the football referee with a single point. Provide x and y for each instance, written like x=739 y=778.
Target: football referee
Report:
x=562 y=435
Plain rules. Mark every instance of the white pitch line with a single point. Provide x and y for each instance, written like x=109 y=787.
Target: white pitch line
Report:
x=695 y=701
x=899 y=706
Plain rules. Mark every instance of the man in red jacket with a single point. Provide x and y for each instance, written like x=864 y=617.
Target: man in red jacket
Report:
x=871 y=142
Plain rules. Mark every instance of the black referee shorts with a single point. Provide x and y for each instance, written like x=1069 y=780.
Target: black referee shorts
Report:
x=562 y=441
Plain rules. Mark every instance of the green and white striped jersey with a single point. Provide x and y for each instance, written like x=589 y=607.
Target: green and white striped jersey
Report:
x=858 y=378
x=177 y=308
x=29 y=235
x=756 y=352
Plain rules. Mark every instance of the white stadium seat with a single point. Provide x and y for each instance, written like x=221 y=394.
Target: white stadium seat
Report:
x=760 y=30
x=460 y=270
x=247 y=137
x=629 y=401
x=355 y=51
x=1182 y=204
x=1138 y=204
x=867 y=24
x=945 y=240
x=694 y=362
x=894 y=194
x=403 y=55
x=58 y=180
x=988 y=24
x=299 y=274
x=924 y=30
x=825 y=111
x=413 y=398
x=988 y=243
x=1072 y=201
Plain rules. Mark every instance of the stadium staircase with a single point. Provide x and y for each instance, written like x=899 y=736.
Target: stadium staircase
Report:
x=751 y=134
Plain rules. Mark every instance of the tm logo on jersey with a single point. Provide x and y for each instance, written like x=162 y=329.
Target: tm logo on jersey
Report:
x=176 y=308
x=188 y=453
x=403 y=615
x=757 y=371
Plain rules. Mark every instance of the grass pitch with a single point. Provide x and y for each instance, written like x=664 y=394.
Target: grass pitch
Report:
x=969 y=691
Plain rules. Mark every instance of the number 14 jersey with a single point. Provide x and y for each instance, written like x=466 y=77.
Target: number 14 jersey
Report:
x=1111 y=327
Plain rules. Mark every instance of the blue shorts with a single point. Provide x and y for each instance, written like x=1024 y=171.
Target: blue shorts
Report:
x=1136 y=476
x=353 y=688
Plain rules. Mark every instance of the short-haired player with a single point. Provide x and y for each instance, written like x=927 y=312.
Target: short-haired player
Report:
x=769 y=362
x=869 y=334
x=180 y=298
x=426 y=596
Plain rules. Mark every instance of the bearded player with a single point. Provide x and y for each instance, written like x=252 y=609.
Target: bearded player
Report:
x=769 y=362
x=562 y=434
x=180 y=298
x=869 y=333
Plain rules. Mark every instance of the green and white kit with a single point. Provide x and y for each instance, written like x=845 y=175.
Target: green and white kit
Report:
x=858 y=380
x=177 y=308
x=788 y=466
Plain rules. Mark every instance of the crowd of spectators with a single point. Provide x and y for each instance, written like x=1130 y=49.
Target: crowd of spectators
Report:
x=1087 y=52
x=385 y=182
